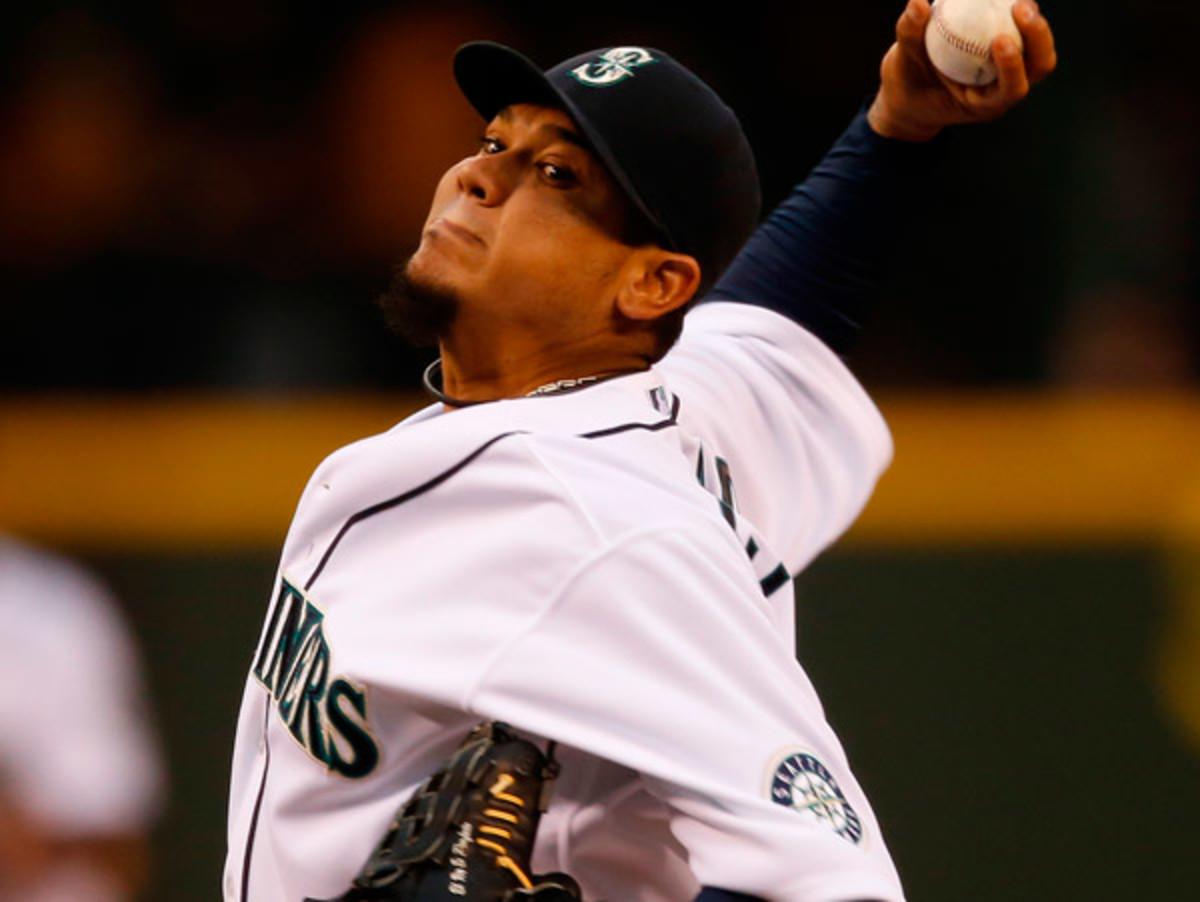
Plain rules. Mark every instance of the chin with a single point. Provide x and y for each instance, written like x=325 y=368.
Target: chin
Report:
x=417 y=305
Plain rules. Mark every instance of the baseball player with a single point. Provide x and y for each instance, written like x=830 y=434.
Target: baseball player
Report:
x=589 y=539
x=82 y=778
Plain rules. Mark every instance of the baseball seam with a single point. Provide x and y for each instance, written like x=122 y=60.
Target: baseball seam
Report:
x=958 y=41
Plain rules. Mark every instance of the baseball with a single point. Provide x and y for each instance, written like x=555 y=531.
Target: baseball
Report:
x=960 y=34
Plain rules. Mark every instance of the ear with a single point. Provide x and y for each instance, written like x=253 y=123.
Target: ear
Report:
x=657 y=282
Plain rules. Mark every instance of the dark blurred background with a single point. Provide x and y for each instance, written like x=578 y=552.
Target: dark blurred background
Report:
x=210 y=193
x=201 y=199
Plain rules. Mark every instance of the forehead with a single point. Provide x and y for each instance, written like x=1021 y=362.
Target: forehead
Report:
x=549 y=121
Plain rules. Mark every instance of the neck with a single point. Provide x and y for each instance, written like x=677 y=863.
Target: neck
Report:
x=466 y=380
x=433 y=384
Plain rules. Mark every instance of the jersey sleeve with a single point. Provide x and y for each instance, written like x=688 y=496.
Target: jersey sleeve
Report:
x=659 y=656
x=803 y=443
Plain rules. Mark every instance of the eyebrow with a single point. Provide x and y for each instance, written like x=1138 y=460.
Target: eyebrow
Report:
x=570 y=136
x=565 y=134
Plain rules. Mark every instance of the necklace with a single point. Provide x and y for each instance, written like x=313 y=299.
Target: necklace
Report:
x=432 y=378
x=565 y=385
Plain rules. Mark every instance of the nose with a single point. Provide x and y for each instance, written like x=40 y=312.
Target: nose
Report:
x=482 y=178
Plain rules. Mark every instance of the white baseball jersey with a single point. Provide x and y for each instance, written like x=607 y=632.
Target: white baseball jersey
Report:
x=78 y=757
x=609 y=568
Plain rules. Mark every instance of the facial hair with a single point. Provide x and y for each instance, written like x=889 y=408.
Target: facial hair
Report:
x=419 y=312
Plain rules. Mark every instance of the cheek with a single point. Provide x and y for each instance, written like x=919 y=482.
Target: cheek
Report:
x=561 y=237
x=558 y=260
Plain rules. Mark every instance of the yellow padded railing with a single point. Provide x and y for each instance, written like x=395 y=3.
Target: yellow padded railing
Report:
x=182 y=471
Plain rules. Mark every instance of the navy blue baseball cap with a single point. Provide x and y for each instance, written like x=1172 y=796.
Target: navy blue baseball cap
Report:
x=671 y=143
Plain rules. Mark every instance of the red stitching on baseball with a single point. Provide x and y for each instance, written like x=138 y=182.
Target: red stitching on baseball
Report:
x=959 y=43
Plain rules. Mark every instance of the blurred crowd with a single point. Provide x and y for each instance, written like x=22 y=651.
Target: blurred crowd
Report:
x=208 y=194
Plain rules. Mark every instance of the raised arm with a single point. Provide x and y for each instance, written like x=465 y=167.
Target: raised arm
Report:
x=821 y=255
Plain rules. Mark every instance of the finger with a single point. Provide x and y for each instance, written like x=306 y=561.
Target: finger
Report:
x=990 y=101
x=910 y=29
x=1040 y=54
x=1012 y=81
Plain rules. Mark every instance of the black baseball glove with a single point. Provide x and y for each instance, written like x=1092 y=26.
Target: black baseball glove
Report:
x=468 y=831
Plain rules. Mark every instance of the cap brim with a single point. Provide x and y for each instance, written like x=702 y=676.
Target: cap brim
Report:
x=493 y=76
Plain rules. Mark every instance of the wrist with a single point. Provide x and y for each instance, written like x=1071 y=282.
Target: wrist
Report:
x=887 y=125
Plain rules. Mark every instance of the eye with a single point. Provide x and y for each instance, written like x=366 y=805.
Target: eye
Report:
x=490 y=145
x=557 y=175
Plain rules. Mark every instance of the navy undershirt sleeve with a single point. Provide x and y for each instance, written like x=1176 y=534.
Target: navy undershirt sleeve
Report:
x=712 y=894
x=821 y=255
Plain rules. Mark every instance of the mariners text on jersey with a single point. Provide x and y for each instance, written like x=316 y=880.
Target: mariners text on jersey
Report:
x=328 y=718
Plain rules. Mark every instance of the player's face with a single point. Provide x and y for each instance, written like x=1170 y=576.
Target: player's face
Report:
x=525 y=232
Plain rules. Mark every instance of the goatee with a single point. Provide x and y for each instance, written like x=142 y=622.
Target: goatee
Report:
x=418 y=312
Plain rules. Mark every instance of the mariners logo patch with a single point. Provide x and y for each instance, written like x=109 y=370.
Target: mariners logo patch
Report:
x=612 y=67
x=801 y=782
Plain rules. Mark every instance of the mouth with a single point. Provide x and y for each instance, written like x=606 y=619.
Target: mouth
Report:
x=443 y=226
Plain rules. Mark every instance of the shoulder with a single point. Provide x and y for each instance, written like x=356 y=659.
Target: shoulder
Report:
x=607 y=485
x=63 y=623
x=728 y=329
x=577 y=443
x=560 y=472
x=44 y=591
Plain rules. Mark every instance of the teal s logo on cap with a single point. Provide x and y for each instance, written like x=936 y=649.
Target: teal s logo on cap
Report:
x=614 y=66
